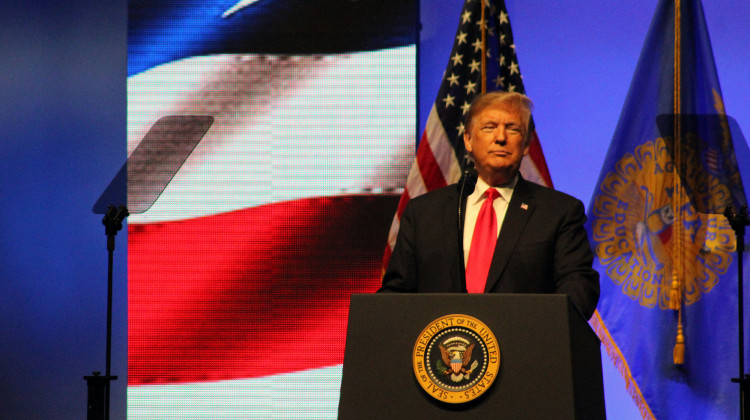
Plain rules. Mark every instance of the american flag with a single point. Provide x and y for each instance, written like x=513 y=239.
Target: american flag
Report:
x=441 y=150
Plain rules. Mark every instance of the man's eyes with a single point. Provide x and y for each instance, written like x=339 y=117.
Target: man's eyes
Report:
x=509 y=129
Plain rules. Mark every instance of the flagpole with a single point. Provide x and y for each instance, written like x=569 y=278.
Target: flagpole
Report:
x=675 y=296
x=483 y=30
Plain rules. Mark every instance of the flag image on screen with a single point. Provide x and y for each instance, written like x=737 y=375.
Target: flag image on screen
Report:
x=240 y=272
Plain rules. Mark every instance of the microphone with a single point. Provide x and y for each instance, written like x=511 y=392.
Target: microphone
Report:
x=465 y=187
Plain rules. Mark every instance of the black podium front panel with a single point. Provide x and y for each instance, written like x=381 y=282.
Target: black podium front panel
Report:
x=550 y=363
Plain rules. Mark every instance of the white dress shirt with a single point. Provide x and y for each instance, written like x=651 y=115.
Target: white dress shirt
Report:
x=474 y=203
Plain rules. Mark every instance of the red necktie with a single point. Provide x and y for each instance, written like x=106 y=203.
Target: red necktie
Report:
x=482 y=245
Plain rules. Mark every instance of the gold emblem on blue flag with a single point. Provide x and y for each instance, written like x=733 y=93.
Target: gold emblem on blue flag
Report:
x=634 y=235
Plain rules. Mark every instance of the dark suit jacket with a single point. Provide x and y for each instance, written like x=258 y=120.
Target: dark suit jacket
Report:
x=542 y=248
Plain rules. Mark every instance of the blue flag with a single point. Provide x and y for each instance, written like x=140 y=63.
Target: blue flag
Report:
x=667 y=315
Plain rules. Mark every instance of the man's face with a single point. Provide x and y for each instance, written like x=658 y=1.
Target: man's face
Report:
x=496 y=141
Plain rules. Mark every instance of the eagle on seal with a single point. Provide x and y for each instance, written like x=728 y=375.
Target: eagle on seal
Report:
x=456 y=361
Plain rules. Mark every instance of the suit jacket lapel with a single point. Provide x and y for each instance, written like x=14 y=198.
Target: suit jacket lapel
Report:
x=520 y=208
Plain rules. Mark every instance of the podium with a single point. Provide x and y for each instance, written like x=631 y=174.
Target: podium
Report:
x=549 y=364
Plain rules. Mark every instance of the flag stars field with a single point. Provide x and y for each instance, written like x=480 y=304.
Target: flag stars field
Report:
x=457 y=59
x=448 y=100
x=461 y=38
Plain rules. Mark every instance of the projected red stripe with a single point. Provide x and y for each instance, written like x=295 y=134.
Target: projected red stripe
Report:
x=250 y=293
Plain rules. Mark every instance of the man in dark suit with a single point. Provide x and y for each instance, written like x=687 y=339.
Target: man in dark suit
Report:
x=540 y=246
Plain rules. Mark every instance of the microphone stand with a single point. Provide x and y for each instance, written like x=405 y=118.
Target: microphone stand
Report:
x=99 y=386
x=738 y=223
x=469 y=177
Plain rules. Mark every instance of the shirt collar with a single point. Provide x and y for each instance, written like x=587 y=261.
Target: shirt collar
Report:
x=506 y=191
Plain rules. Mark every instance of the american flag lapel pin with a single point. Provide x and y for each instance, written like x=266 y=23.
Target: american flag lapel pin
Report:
x=524 y=206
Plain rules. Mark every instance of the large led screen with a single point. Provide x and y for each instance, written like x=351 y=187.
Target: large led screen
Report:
x=269 y=143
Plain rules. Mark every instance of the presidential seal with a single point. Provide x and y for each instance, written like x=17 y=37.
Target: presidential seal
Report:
x=456 y=358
